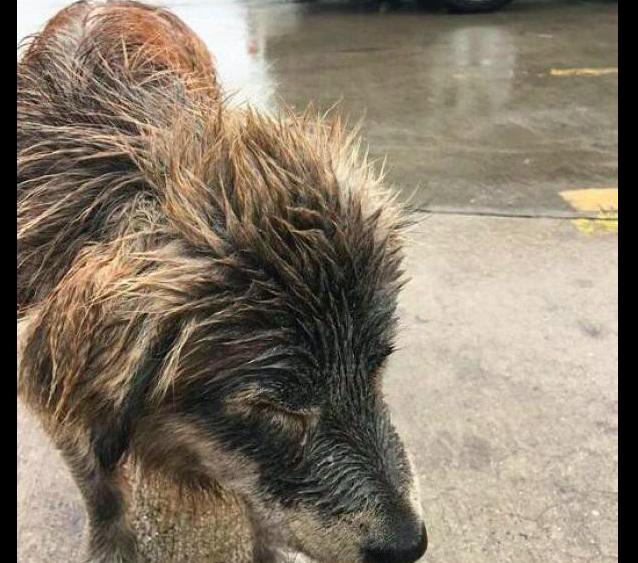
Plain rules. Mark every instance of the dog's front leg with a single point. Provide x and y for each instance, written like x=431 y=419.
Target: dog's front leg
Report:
x=110 y=538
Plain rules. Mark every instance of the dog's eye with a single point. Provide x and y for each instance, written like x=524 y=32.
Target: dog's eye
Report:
x=251 y=405
x=282 y=414
x=296 y=425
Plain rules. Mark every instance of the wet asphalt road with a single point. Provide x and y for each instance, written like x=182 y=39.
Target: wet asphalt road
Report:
x=505 y=384
x=465 y=108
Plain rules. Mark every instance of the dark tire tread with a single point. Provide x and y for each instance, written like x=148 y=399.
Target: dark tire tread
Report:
x=468 y=6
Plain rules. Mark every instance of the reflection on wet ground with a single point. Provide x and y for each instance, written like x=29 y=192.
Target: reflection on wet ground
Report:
x=466 y=108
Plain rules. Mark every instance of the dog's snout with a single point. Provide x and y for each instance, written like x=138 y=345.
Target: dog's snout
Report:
x=406 y=543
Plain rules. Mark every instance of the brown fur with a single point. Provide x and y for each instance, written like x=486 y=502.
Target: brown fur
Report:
x=139 y=197
x=135 y=36
x=120 y=287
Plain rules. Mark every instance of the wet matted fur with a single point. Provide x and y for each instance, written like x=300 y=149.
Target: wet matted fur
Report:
x=212 y=291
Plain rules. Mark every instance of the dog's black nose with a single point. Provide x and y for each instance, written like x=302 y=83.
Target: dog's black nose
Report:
x=406 y=544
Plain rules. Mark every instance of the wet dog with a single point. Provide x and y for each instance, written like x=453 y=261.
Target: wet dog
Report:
x=211 y=291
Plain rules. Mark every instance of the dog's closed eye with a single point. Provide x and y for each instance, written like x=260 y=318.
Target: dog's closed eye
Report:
x=253 y=403
x=283 y=416
x=296 y=426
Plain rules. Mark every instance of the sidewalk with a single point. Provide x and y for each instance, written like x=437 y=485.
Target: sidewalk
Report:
x=504 y=387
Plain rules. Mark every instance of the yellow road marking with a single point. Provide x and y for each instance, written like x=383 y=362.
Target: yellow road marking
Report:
x=594 y=199
x=602 y=201
x=594 y=226
x=584 y=71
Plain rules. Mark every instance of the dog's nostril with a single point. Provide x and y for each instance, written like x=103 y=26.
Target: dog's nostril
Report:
x=403 y=547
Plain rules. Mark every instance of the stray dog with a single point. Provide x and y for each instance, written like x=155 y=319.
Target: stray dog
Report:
x=211 y=292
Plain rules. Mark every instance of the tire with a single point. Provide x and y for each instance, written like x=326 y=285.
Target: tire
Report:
x=469 y=6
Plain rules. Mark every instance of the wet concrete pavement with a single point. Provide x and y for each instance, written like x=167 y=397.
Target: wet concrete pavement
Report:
x=505 y=384
x=465 y=109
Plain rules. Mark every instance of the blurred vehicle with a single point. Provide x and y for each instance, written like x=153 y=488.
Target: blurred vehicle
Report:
x=475 y=5
x=459 y=6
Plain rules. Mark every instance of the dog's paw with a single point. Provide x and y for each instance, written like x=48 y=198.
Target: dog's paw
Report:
x=114 y=546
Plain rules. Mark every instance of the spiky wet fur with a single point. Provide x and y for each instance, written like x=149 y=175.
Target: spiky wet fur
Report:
x=195 y=275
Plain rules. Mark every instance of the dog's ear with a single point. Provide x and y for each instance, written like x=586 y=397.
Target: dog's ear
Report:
x=111 y=439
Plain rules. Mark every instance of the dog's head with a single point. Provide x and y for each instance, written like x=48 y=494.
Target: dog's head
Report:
x=278 y=393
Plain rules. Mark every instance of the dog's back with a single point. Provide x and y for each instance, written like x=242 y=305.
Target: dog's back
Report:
x=91 y=88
